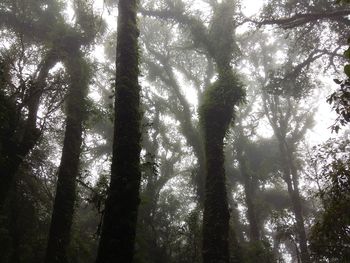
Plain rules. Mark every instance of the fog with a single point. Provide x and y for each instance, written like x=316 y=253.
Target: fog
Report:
x=174 y=131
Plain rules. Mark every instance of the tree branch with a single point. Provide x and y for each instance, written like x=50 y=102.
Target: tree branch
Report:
x=302 y=19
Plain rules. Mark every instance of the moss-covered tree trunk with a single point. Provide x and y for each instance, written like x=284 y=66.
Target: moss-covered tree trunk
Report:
x=62 y=216
x=120 y=217
x=216 y=113
x=216 y=214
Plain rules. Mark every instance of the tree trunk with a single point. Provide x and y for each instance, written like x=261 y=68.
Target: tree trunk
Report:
x=216 y=215
x=14 y=223
x=298 y=210
x=216 y=113
x=234 y=216
x=290 y=173
x=254 y=231
x=62 y=216
x=120 y=217
x=291 y=178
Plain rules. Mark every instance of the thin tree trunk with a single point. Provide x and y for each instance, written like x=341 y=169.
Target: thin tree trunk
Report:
x=289 y=169
x=62 y=216
x=120 y=217
x=234 y=216
x=254 y=231
x=304 y=252
x=290 y=176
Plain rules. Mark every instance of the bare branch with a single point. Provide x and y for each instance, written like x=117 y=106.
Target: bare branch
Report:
x=302 y=19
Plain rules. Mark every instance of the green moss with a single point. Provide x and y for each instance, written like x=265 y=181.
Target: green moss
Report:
x=217 y=109
x=216 y=113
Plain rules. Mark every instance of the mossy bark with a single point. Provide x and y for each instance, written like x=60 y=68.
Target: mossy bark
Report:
x=62 y=216
x=216 y=113
x=120 y=216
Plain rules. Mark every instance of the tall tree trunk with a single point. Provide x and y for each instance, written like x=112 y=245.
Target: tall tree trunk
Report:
x=120 y=217
x=14 y=223
x=62 y=216
x=216 y=113
x=216 y=215
x=298 y=210
x=13 y=150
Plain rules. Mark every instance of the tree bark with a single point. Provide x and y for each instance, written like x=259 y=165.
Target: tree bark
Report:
x=120 y=217
x=62 y=216
x=216 y=214
x=216 y=113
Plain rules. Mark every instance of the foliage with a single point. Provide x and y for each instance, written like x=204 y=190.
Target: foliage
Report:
x=219 y=101
x=340 y=99
x=194 y=61
x=258 y=252
x=330 y=235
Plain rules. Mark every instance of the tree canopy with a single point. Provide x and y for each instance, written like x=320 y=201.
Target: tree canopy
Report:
x=177 y=131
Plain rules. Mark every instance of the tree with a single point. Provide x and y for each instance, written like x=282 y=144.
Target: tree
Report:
x=62 y=216
x=51 y=33
x=13 y=147
x=161 y=61
x=120 y=215
x=330 y=237
x=216 y=112
x=285 y=86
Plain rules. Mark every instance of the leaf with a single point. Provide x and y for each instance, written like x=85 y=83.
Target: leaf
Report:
x=336 y=128
x=347 y=70
x=347 y=53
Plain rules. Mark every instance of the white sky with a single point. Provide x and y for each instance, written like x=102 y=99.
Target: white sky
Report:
x=251 y=7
